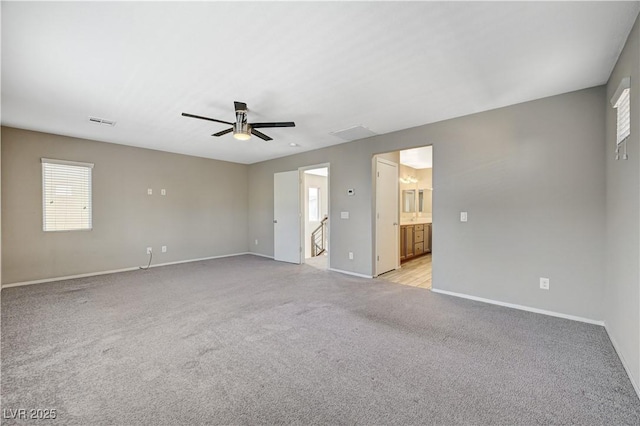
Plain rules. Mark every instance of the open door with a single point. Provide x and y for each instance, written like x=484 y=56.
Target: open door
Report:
x=387 y=244
x=286 y=216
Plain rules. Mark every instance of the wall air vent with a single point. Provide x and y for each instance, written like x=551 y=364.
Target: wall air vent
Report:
x=97 y=120
x=353 y=133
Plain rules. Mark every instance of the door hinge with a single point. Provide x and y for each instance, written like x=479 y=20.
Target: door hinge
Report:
x=378 y=258
x=378 y=174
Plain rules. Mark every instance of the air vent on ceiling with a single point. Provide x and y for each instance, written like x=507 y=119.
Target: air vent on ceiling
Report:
x=353 y=133
x=97 y=120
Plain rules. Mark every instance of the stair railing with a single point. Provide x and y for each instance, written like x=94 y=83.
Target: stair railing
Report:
x=317 y=238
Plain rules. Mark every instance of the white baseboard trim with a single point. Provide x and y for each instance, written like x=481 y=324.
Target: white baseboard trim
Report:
x=623 y=361
x=355 y=274
x=520 y=307
x=177 y=262
x=114 y=271
x=260 y=254
x=69 y=277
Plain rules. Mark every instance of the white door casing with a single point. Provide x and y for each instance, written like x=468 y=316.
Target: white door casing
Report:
x=286 y=216
x=387 y=227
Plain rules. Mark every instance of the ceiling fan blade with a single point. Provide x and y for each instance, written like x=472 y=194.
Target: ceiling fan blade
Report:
x=184 y=114
x=283 y=124
x=240 y=106
x=224 y=132
x=261 y=135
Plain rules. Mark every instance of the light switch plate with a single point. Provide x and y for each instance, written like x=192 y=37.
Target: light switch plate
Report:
x=149 y=191
x=344 y=215
x=463 y=216
x=163 y=192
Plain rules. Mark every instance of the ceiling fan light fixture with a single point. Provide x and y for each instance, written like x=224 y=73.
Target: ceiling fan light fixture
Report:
x=242 y=132
x=242 y=136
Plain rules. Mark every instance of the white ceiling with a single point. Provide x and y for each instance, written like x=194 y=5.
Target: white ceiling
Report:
x=324 y=171
x=327 y=66
x=417 y=158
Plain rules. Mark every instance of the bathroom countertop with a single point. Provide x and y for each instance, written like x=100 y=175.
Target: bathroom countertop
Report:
x=419 y=221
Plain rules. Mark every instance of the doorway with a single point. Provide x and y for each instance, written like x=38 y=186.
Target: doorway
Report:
x=301 y=228
x=315 y=215
x=414 y=207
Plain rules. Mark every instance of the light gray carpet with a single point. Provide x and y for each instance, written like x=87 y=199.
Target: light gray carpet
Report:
x=247 y=340
x=318 y=262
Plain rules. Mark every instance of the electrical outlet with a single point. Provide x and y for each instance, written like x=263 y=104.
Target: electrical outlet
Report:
x=164 y=249
x=544 y=283
x=149 y=250
x=350 y=255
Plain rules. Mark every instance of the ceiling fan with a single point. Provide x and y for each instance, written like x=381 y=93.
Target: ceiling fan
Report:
x=241 y=129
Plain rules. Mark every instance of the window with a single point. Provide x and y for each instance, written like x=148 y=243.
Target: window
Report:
x=314 y=204
x=623 y=119
x=621 y=102
x=66 y=195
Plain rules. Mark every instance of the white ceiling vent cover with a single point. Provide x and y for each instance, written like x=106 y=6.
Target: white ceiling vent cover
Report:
x=353 y=133
x=97 y=120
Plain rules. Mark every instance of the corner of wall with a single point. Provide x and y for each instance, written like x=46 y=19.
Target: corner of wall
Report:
x=622 y=179
x=1 y=128
x=623 y=360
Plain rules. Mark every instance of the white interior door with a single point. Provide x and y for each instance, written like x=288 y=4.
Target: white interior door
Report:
x=387 y=228
x=286 y=216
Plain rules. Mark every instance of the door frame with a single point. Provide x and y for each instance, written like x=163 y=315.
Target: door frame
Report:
x=302 y=198
x=374 y=164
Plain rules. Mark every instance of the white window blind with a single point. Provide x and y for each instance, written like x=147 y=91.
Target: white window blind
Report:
x=623 y=116
x=66 y=195
x=621 y=102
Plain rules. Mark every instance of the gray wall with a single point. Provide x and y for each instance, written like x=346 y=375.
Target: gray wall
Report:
x=204 y=213
x=622 y=291
x=531 y=177
x=348 y=165
x=0 y=222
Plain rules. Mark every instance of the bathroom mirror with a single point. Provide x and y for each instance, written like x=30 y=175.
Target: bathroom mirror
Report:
x=424 y=201
x=408 y=201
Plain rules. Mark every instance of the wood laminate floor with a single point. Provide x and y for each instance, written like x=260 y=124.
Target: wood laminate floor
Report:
x=416 y=273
